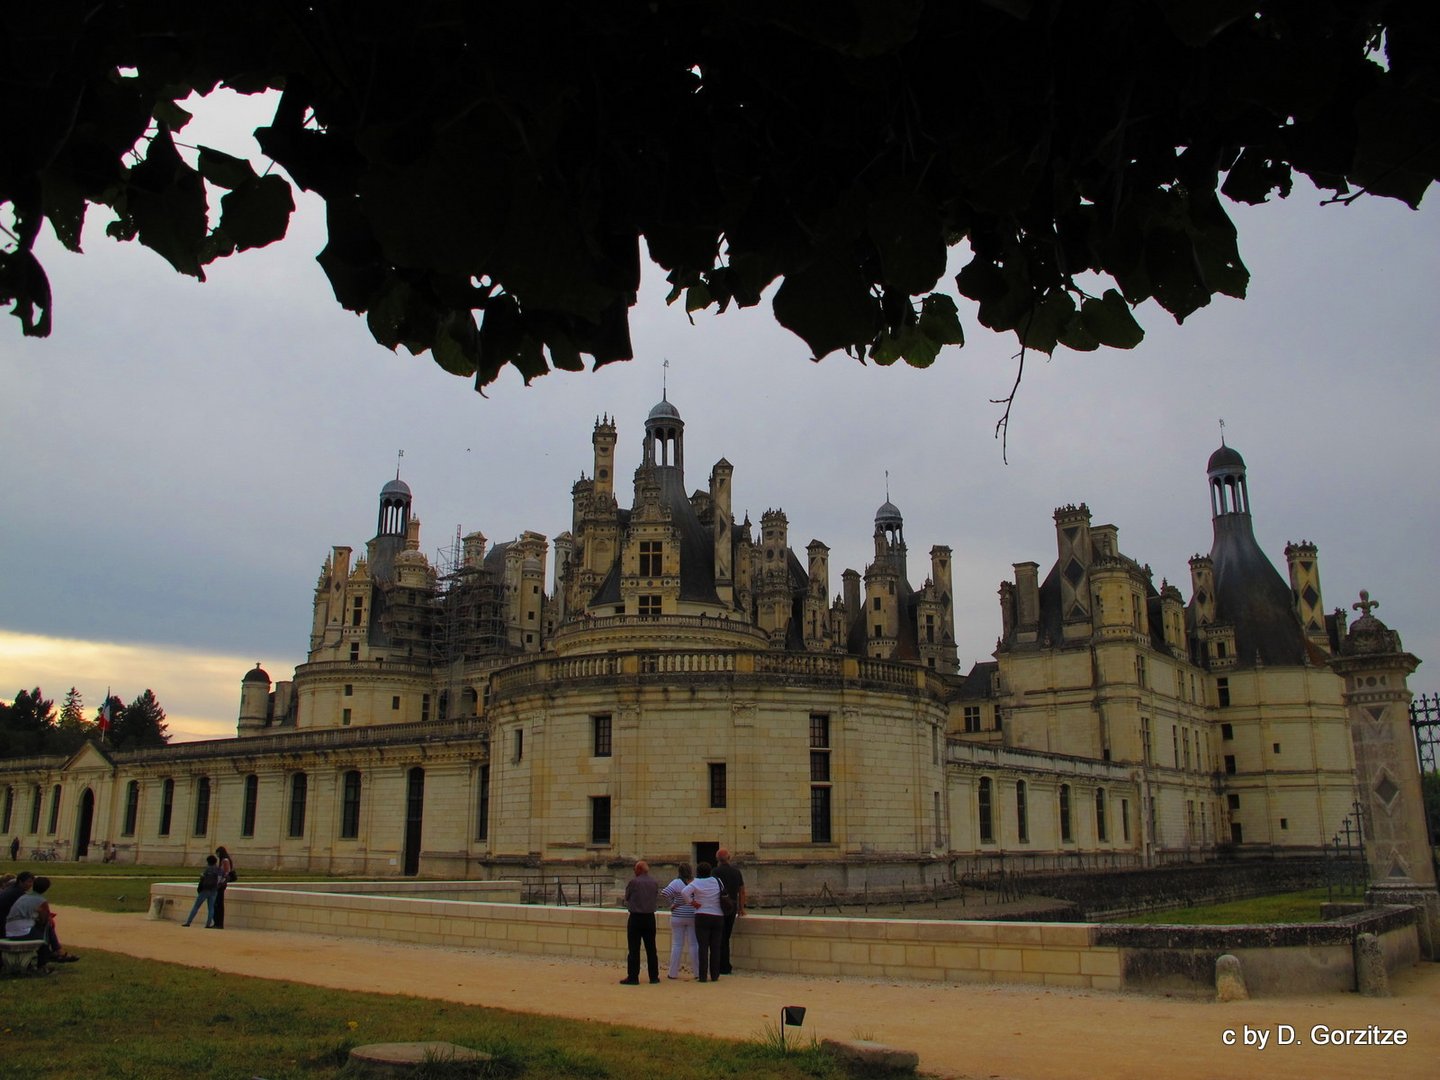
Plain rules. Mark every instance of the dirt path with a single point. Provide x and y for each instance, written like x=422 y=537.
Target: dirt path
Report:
x=1016 y=1033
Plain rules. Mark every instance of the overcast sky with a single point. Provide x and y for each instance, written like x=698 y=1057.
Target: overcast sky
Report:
x=179 y=458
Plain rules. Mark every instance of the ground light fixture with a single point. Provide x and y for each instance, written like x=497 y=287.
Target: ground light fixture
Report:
x=790 y=1016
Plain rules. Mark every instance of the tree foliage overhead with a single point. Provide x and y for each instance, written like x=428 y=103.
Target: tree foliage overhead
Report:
x=490 y=171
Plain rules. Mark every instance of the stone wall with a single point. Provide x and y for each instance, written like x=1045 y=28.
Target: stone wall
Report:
x=1166 y=959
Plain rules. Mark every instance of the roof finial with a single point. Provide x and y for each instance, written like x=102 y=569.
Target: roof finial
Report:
x=1222 y=432
x=1365 y=605
x=398 y=456
x=887 y=485
x=664 y=380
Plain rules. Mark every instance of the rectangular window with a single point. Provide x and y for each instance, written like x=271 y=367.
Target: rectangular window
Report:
x=1140 y=670
x=986 y=813
x=1227 y=731
x=9 y=808
x=345 y=717
x=819 y=766
x=1102 y=829
x=518 y=745
x=350 y=806
x=819 y=731
x=35 y=800
x=349 y=689
x=999 y=719
x=482 y=825
x=717 y=785
x=167 y=805
x=354 y=652
x=202 y=806
x=1125 y=820
x=651 y=561
x=1022 y=812
x=1230 y=764
x=600 y=730
x=1066 y=833
x=1175 y=744
x=132 y=809
x=1186 y=741
x=54 y=810
x=252 y=799
x=649 y=605
x=395 y=704
x=1222 y=689
x=820 y=815
x=600 y=819
x=424 y=707
x=358 y=612
x=1232 y=801
x=299 y=794
x=972 y=719
x=1146 y=751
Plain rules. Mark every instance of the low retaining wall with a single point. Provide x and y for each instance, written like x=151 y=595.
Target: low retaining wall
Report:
x=1291 y=960
x=1276 y=960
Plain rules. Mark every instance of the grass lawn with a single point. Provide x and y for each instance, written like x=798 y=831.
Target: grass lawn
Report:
x=1294 y=907
x=115 y=1016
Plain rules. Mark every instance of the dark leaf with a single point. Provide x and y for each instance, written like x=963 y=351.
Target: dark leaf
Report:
x=171 y=114
x=24 y=285
x=224 y=170
x=906 y=233
x=258 y=213
x=166 y=200
x=829 y=305
x=1042 y=326
x=1110 y=321
x=65 y=206
x=940 y=320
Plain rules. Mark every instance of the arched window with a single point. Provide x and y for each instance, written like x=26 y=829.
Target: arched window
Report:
x=252 y=798
x=54 y=810
x=9 y=808
x=132 y=807
x=202 y=806
x=167 y=805
x=987 y=818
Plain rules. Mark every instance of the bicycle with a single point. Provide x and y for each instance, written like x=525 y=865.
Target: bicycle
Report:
x=45 y=854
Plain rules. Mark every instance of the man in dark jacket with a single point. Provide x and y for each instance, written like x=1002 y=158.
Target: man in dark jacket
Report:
x=734 y=883
x=642 y=896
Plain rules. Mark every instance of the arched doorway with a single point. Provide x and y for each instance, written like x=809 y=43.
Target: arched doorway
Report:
x=414 y=817
x=85 y=823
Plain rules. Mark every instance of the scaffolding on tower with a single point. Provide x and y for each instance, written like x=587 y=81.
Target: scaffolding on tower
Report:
x=471 y=623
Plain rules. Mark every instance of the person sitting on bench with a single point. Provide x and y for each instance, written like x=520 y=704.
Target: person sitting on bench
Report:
x=30 y=919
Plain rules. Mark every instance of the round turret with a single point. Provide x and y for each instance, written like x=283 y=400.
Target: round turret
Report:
x=256 y=674
x=888 y=515
x=1226 y=459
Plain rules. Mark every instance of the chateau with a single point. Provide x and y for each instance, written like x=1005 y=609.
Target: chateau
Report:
x=659 y=680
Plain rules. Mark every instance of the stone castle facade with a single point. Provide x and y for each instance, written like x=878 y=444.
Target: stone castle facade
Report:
x=659 y=680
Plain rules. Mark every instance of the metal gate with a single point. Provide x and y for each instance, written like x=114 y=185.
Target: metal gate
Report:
x=1425 y=721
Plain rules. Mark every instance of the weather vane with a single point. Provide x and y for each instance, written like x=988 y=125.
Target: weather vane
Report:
x=1222 y=431
x=664 y=380
x=398 y=456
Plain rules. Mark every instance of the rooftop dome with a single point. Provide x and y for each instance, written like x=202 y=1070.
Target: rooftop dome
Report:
x=663 y=410
x=888 y=512
x=396 y=487
x=1226 y=459
x=256 y=674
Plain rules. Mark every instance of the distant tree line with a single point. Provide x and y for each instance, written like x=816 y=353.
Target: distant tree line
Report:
x=29 y=725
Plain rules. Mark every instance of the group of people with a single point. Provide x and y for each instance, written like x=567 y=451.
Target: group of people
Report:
x=25 y=913
x=703 y=909
x=219 y=872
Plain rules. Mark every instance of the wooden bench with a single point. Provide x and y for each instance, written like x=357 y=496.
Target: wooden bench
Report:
x=17 y=957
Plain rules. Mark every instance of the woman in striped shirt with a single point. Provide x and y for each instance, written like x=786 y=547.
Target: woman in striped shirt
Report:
x=682 y=921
